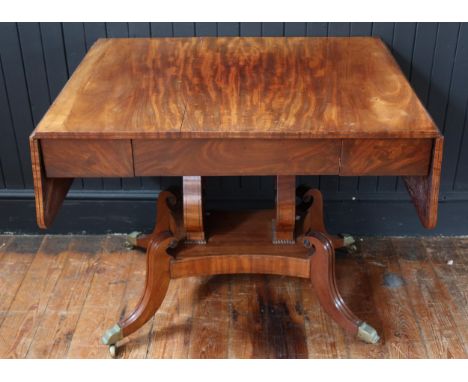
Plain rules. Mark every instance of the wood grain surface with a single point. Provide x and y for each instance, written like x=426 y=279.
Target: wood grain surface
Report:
x=237 y=87
x=386 y=156
x=49 y=192
x=193 y=208
x=87 y=158
x=58 y=294
x=285 y=222
x=240 y=242
x=210 y=157
x=424 y=190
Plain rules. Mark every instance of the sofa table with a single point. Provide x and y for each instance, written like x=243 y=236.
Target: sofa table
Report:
x=197 y=107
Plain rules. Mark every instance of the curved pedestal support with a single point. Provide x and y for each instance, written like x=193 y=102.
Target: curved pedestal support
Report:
x=193 y=209
x=285 y=222
x=322 y=276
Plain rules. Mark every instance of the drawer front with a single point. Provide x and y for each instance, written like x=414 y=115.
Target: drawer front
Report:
x=68 y=158
x=386 y=156
x=209 y=157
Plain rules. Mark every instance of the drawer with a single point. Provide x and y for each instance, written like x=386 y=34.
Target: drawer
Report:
x=206 y=157
x=386 y=156
x=69 y=158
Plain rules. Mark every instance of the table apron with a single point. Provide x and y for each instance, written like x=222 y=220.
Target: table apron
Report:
x=235 y=157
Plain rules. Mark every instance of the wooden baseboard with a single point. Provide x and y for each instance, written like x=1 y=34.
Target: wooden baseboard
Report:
x=123 y=215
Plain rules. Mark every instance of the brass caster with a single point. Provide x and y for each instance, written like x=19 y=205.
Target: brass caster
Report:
x=112 y=335
x=132 y=239
x=367 y=334
x=113 y=351
x=348 y=240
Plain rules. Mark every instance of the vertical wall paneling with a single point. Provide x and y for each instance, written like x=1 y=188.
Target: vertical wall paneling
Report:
x=93 y=32
x=272 y=29
x=34 y=69
x=250 y=29
x=12 y=173
x=54 y=57
x=295 y=29
x=162 y=29
x=441 y=83
x=2 y=178
x=441 y=76
x=317 y=29
x=228 y=29
x=117 y=30
x=16 y=88
x=206 y=29
x=455 y=116
x=361 y=29
x=423 y=58
x=183 y=29
x=138 y=29
x=461 y=177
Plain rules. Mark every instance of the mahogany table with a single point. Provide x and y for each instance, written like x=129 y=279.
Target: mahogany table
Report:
x=196 y=107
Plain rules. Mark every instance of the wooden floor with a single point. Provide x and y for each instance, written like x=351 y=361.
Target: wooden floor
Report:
x=59 y=293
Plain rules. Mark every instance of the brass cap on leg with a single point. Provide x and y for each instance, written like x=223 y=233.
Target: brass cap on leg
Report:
x=132 y=239
x=347 y=239
x=367 y=334
x=112 y=335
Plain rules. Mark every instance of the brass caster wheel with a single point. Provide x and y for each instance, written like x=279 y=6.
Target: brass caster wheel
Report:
x=367 y=334
x=348 y=240
x=113 y=351
x=111 y=337
x=132 y=239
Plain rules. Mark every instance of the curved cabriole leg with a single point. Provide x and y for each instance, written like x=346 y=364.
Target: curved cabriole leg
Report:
x=314 y=221
x=322 y=276
x=157 y=282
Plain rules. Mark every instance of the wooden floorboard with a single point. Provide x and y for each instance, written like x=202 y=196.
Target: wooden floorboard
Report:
x=59 y=293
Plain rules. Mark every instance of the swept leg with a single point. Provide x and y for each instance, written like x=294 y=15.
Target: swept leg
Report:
x=314 y=221
x=166 y=234
x=157 y=282
x=322 y=275
x=166 y=219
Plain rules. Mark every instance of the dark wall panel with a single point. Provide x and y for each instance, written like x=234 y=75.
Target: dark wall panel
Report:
x=36 y=59
x=18 y=97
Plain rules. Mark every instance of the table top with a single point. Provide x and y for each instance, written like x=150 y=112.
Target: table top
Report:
x=231 y=87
